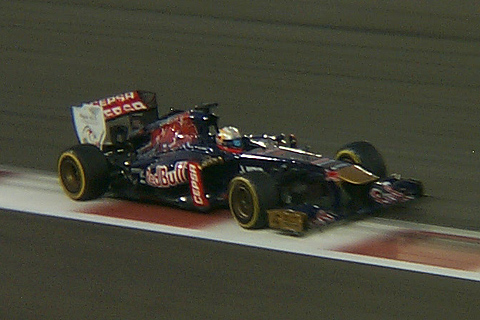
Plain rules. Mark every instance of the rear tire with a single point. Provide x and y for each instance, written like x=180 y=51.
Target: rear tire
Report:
x=249 y=197
x=83 y=172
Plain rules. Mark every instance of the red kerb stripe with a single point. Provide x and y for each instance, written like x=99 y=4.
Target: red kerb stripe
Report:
x=158 y=214
x=429 y=248
x=5 y=174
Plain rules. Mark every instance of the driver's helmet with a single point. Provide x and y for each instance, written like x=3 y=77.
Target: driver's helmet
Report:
x=229 y=137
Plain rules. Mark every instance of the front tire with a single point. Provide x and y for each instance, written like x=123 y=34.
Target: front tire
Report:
x=83 y=172
x=249 y=197
x=365 y=155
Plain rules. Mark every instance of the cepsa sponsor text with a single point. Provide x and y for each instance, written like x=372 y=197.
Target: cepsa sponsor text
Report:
x=117 y=99
x=196 y=186
x=120 y=104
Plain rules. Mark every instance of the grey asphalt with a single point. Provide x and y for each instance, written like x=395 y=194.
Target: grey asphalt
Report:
x=404 y=76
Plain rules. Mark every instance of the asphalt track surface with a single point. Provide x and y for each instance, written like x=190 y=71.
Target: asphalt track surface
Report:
x=404 y=76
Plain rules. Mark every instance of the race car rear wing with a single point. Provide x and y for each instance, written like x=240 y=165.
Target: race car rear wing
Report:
x=94 y=122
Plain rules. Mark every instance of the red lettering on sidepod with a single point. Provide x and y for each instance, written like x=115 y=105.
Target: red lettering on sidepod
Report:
x=196 y=185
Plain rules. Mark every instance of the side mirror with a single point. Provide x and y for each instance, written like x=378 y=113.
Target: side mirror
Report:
x=292 y=140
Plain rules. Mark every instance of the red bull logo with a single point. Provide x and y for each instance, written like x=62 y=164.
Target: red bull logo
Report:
x=164 y=178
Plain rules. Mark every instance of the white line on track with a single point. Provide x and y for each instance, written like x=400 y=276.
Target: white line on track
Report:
x=38 y=192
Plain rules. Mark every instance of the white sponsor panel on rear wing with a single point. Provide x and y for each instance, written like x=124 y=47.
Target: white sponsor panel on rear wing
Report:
x=89 y=124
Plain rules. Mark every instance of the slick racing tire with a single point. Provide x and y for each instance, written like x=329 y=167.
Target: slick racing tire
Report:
x=83 y=172
x=249 y=197
x=365 y=155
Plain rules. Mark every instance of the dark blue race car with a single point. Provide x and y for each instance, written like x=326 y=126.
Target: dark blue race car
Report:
x=184 y=159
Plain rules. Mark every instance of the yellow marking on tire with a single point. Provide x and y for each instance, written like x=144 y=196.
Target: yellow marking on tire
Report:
x=256 y=204
x=73 y=156
x=350 y=154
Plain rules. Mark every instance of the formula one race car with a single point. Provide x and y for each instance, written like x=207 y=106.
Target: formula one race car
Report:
x=184 y=159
